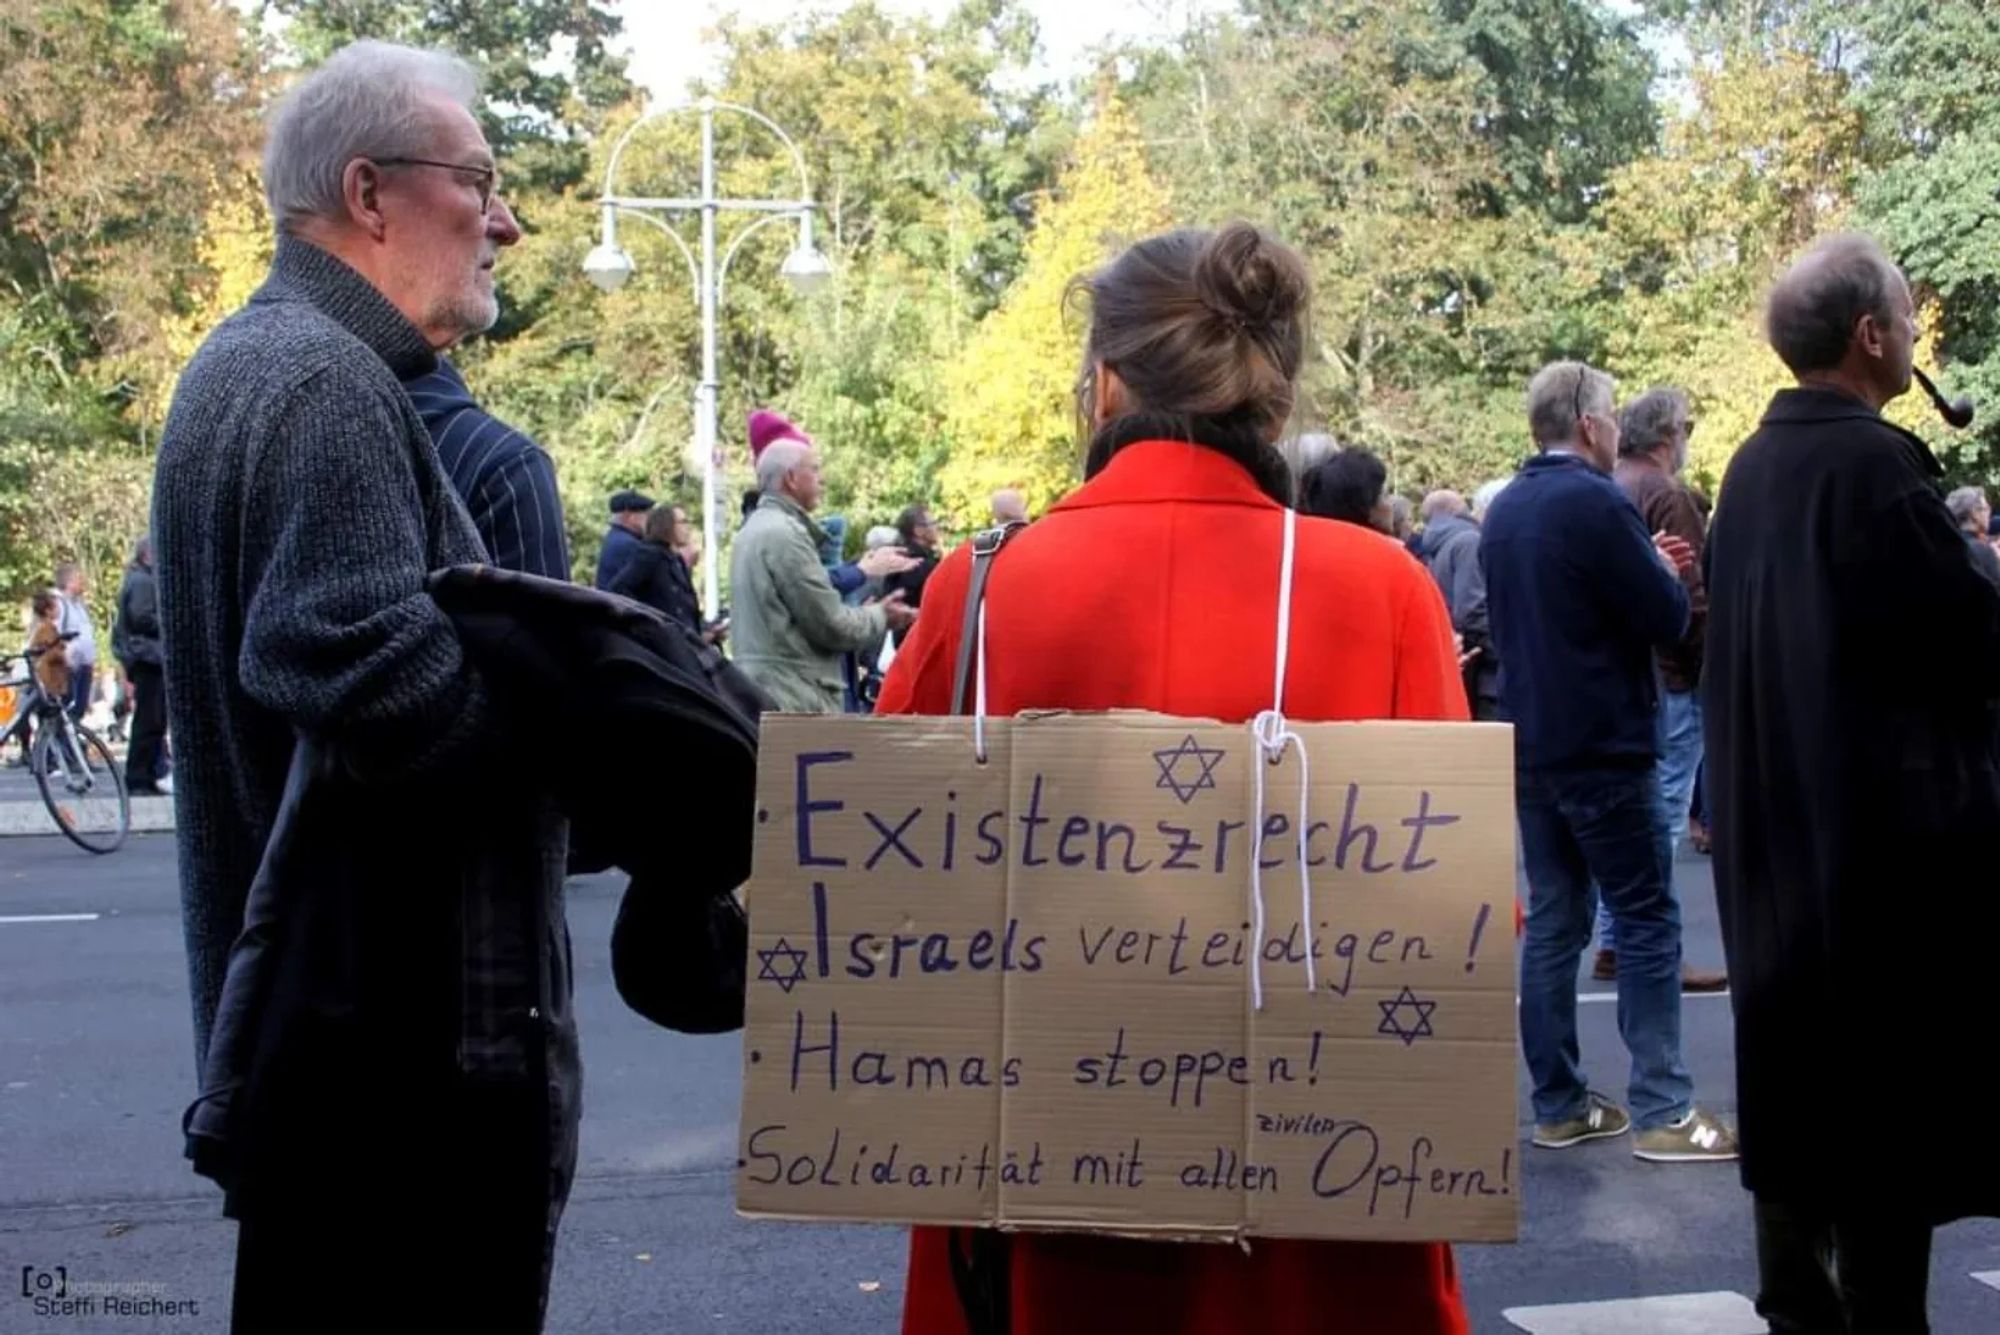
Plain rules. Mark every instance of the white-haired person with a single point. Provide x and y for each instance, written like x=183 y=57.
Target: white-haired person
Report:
x=410 y=1075
x=793 y=632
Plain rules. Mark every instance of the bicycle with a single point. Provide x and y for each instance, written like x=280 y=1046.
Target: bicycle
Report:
x=80 y=781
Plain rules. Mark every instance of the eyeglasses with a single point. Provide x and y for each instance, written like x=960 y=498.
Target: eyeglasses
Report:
x=487 y=177
x=1576 y=402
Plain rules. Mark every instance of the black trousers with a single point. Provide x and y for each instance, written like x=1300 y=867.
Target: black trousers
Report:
x=456 y=1234
x=1821 y=1275
x=143 y=766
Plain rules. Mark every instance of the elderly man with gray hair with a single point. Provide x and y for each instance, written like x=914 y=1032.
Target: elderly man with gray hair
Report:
x=1653 y=434
x=1578 y=598
x=793 y=632
x=1973 y=514
x=1850 y=691
x=404 y=1084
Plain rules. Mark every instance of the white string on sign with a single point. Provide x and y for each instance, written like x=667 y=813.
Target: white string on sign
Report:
x=979 y=690
x=1273 y=734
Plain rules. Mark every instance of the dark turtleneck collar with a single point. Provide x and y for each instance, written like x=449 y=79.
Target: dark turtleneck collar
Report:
x=1240 y=439
x=301 y=271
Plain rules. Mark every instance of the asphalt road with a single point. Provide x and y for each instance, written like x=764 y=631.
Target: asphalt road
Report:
x=96 y=1066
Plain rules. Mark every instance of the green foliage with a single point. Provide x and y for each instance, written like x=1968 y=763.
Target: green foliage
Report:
x=1760 y=161
x=537 y=108
x=1479 y=186
x=1430 y=161
x=114 y=115
x=1570 y=90
x=1932 y=105
x=917 y=139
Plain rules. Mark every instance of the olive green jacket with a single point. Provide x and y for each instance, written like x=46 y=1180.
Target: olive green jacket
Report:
x=789 y=628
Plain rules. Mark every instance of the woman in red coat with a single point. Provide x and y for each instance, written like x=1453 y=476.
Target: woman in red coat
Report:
x=1155 y=586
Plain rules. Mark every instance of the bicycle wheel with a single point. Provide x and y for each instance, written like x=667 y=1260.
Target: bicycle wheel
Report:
x=82 y=786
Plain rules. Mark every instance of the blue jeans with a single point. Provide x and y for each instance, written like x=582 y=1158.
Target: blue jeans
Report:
x=1582 y=831
x=79 y=690
x=1680 y=762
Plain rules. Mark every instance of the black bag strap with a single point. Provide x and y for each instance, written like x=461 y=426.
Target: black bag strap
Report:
x=985 y=546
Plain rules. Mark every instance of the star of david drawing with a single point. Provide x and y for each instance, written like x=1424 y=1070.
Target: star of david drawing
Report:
x=788 y=975
x=1177 y=768
x=1419 y=1024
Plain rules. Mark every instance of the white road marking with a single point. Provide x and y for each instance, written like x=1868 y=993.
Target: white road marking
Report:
x=1990 y=1278
x=1604 y=998
x=50 y=917
x=1675 y=1314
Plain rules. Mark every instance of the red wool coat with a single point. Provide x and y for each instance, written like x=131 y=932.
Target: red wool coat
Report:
x=1154 y=586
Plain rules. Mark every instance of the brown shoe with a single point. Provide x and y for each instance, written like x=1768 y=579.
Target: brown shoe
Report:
x=1702 y=980
x=1698 y=836
x=1606 y=968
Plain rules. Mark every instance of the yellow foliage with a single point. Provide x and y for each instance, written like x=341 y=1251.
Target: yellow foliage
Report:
x=235 y=250
x=1730 y=376
x=1010 y=411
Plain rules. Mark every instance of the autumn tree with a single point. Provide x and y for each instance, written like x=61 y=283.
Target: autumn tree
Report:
x=1431 y=161
x=925 y=138
x=113 y=118
x=1010 y=392
x=1763 y=160
x=1479 y=186
x=919 y=135
x=547 y=69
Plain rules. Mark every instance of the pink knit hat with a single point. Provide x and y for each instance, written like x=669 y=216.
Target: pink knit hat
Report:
x=767 y=426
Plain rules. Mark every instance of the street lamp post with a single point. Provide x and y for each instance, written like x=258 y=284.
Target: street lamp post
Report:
x=608 y=267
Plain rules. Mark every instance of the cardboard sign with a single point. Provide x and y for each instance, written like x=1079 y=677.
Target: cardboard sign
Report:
x=1019 y=993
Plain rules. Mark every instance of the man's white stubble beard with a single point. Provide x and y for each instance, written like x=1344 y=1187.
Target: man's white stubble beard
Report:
x=473 y=313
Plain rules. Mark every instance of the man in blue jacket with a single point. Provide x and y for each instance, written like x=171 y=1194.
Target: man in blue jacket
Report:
x=625 y=536
x=1578 y=596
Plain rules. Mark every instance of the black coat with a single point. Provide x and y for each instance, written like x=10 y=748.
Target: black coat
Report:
x=135 y=635
x=338 y=1060
x=1850 y=691
x=656 y=576
x=602 y=667
x=336 y=1056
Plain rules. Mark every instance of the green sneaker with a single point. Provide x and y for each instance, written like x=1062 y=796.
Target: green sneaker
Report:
x=1696 y=1138
x=1599 y=1120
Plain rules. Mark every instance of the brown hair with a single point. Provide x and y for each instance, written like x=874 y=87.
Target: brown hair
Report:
x=1207 y=330
x=660 y=525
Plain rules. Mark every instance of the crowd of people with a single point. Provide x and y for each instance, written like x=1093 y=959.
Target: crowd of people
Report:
x=814 y=629
x=1827 y=649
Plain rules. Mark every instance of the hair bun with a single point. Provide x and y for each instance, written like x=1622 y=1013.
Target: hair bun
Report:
x=1250 y=279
